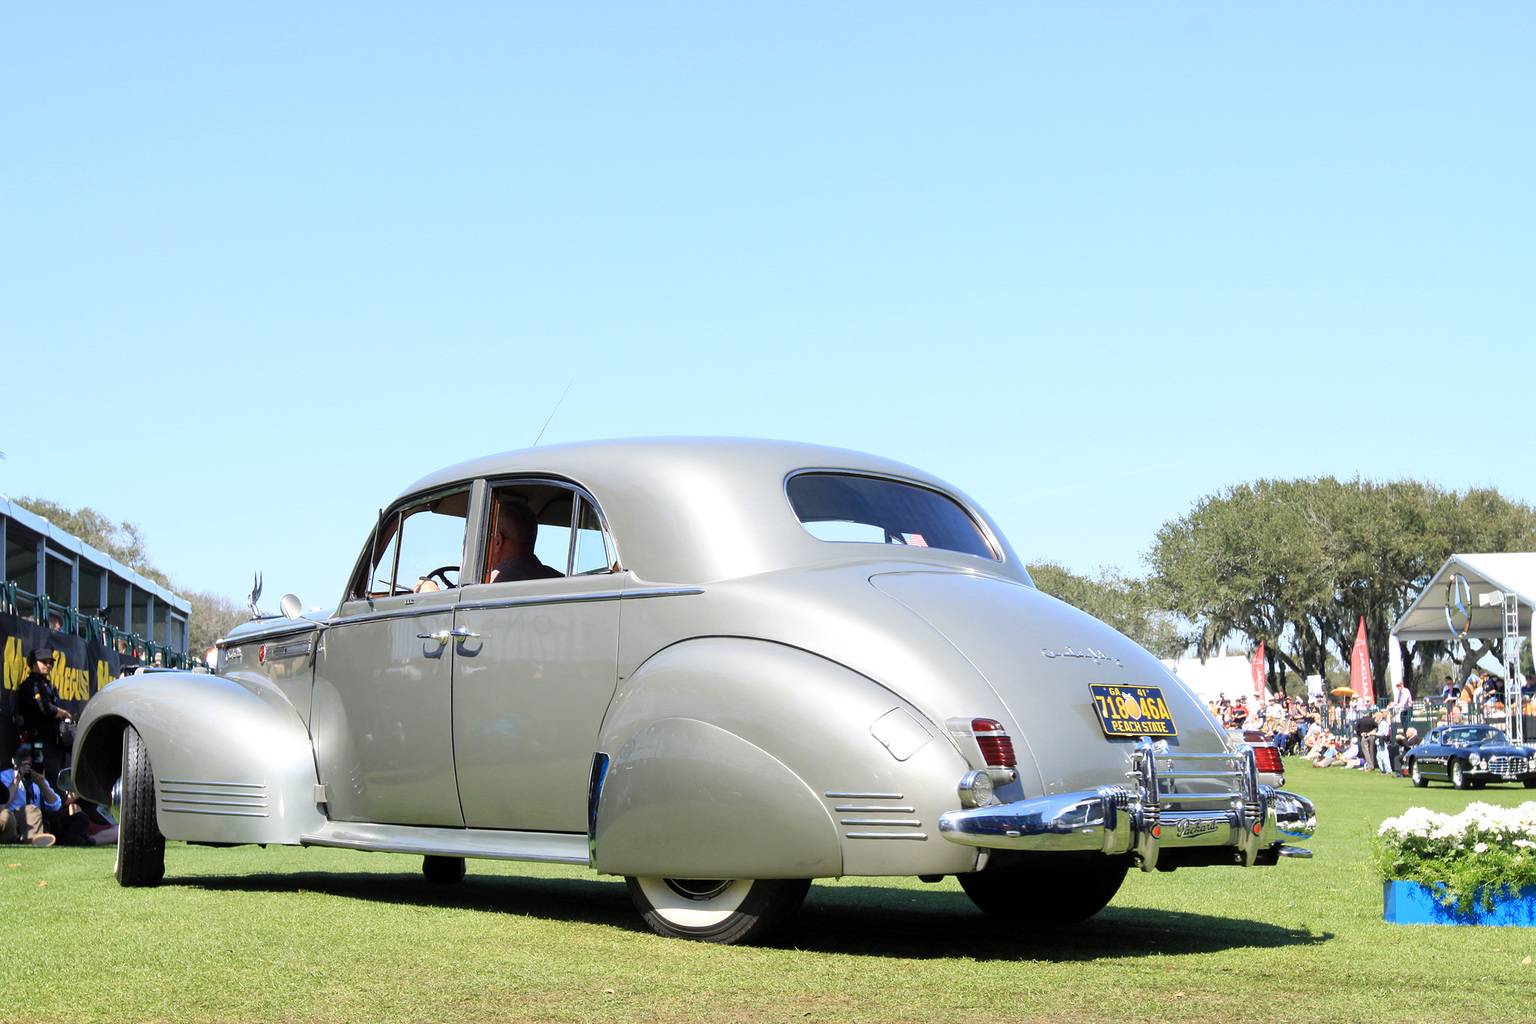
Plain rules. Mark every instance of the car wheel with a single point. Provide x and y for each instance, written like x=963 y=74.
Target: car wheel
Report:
x=1458 y=775
x=1049 y=896
x=140 y=846
x=725 y=910
x=442 y=870
x=1418 y=777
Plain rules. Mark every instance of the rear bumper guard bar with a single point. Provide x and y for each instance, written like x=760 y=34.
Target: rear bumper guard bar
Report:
x=1171 y=801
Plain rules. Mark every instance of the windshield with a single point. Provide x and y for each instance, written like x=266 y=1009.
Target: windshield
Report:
x=850 y=507
x=1467 y=737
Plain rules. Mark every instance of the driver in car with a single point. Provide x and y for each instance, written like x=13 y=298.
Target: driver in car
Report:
x=512 y=556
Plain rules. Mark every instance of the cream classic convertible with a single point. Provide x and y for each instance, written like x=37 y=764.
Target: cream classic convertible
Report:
x=718 y=668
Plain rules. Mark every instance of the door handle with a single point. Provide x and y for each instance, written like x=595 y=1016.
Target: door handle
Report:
x=463 y=634
x=441 y=636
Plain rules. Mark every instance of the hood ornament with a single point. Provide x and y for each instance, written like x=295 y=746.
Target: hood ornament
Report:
x=255 y=596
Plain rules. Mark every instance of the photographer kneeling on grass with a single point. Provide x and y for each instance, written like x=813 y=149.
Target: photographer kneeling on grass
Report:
x=28 y=795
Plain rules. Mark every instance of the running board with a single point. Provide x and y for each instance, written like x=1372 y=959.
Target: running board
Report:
x=551 y=847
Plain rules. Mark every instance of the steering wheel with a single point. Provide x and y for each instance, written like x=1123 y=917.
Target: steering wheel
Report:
x=440 y=573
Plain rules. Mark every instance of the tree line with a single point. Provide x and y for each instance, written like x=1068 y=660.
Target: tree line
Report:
x=1297 y=564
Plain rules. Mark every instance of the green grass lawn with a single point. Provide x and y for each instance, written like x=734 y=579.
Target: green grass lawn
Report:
x=323 y=935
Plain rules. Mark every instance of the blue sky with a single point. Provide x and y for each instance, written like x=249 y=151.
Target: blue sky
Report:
x=262 y=266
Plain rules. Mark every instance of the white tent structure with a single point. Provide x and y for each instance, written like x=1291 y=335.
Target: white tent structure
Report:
x=1219 y=675
x=1485 y=596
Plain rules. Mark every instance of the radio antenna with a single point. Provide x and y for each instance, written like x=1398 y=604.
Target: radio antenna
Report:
x=552 y=412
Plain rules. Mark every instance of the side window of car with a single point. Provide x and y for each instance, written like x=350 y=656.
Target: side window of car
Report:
x=593 y=554
x=431 y=545
x=554 y=546
x=418 y=549
x=567 y=534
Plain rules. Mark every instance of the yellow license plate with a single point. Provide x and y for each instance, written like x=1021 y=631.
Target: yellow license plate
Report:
x=1132 y=710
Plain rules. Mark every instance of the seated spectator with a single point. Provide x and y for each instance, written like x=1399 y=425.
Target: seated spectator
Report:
x=84 y=824
x=28 y=796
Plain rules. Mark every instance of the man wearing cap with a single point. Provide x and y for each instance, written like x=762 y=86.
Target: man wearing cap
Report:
x=27 y=796
x=38 y=704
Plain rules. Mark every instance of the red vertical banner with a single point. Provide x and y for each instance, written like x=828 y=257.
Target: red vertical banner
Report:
x=1258 y=672
x=1360 y=665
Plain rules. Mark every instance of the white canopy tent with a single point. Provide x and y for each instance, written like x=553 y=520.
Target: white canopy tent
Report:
x=1485 y=596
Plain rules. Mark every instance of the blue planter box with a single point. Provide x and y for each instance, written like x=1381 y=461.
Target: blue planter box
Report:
x=1415 y=903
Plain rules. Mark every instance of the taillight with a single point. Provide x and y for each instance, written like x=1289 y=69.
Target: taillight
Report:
x=1267 y=759
x=996 y=747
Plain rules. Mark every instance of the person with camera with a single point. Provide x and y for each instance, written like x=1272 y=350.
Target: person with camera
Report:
x=44 y=721
x=28 y=796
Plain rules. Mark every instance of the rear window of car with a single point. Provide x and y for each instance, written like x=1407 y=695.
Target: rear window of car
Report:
x=854 y=508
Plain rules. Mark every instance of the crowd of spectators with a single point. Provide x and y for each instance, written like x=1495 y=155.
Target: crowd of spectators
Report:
x=35 y=810
x=1362 y=736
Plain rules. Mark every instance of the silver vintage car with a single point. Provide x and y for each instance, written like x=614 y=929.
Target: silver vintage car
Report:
x=718 y=668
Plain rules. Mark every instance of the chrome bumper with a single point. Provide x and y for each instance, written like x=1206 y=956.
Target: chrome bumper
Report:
x=1172 y=802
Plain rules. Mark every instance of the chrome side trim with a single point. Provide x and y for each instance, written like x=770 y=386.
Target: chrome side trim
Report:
x=394 y=613
x=877 y=808
x=191 y=796
x=864 y=796
x=914 y=822
x=548 y=847
x=600 y=762
x=591 y=596
x=886 y=835
x=664 y=592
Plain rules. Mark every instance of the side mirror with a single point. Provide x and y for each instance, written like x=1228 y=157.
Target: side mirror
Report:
x=292 y=607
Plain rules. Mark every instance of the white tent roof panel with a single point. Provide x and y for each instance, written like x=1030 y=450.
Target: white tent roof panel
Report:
x=1511 y=572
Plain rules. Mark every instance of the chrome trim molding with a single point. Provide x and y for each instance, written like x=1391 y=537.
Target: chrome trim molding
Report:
x=885 y=835
x=865 y=796
x=191 y=796
x=914 y=822
x=394 y=613
x=548 y=847
x=600 y=762
x=664 y=592
x=877 y=808
x=587 y=597
x=1166 y=806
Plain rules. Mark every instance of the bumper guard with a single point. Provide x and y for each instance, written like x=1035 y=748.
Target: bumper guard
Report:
x=1171 y=802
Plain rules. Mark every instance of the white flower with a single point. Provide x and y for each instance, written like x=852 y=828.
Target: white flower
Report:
x=1480 y=848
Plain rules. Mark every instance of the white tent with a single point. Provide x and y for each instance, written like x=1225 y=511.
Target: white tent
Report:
x=1231 y=675
x=1489 y=578
x=1486 y=596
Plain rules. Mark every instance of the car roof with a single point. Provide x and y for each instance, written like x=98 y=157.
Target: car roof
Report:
x=696 y=509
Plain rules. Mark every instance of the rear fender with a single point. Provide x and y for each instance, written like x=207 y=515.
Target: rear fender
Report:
x=737 y=758
x=232 y=761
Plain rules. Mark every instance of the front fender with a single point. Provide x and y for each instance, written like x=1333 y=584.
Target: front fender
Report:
x=738 y=758
x=232 y=761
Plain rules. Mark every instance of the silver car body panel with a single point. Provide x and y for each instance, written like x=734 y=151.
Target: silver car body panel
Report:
x=233 y=762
